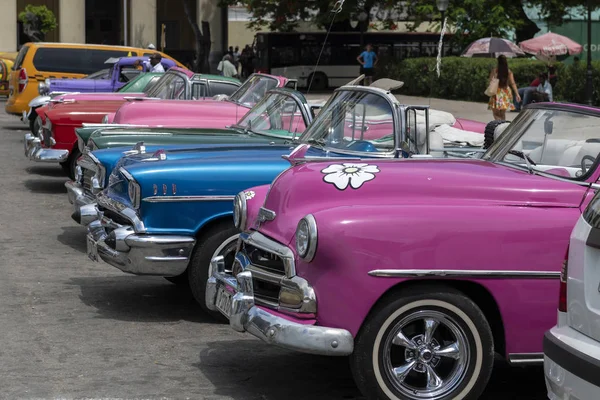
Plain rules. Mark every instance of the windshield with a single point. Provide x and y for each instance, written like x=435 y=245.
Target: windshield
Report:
x=169 y=86
x=253 y=90
x=354 y=121
x=276 y=115
x=558 y=142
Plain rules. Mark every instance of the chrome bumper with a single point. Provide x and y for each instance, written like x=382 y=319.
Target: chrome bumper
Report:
x=85 y=211
x=245 y=316
x=35 y=152
x=138 y=254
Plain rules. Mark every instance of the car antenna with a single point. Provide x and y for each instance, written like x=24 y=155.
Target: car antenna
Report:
x=337 y=8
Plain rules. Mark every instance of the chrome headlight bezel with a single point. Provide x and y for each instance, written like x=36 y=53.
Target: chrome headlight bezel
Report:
x=134 y=191
x=240 y=211
x=43 y=89
x=306 y=238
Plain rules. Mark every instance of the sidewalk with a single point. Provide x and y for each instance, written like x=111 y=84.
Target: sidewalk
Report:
x=460 y=109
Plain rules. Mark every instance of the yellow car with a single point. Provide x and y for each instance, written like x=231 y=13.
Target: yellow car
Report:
x=5 y=68
x=37 y=62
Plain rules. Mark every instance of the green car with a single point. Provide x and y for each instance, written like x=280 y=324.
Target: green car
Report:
x=141 y=82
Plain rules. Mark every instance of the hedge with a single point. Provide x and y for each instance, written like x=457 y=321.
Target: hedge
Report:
x=467 y=78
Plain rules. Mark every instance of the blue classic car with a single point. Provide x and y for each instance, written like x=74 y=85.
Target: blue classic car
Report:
x=281 y=116
x=169 y=215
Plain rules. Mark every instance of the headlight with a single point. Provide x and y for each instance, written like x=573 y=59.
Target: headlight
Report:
x=43 y=88
x=134 y=194
x=105 y=119
x=240 y=211
x=306 y=238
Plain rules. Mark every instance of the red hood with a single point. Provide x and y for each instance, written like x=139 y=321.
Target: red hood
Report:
x=78 y=112
x=180 y=113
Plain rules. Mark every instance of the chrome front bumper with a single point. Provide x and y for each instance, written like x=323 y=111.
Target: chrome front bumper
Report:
x=134 y=253
x=35 y=152
x=84 y=204
x=245 y=316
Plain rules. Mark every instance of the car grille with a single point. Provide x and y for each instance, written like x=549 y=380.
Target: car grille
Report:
x=88 y=174
x=264 y=263
x=114 y=216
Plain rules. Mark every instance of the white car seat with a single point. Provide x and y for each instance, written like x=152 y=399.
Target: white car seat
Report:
x=555 y=152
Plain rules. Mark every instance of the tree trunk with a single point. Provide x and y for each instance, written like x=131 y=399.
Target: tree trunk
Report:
x=201 y=58
x=528 y=29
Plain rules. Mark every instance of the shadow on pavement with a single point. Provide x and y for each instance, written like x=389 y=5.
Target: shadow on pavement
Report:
x=73 y=237
x=250 y=369
x=47 y=170
x=139 y=299
x=47 y=186
x=21 y=127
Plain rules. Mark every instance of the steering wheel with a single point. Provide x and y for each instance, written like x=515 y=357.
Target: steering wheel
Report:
x=584 y=168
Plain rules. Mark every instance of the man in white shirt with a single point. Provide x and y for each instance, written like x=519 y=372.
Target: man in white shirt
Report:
x=227 y=68
x=545 y=86
x=154 y=65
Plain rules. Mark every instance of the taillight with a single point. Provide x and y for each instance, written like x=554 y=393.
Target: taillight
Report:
x=22 y=79
x=562 y=292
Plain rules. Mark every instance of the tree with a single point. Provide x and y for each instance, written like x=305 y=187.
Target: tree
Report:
x=471 y=19
x=37 y=21
x=203 y=39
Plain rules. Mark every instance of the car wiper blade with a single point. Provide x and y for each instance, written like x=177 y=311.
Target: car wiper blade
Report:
x=320 y=142
x=525 y=157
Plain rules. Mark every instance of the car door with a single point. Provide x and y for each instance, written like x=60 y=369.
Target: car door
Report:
x=583 y=273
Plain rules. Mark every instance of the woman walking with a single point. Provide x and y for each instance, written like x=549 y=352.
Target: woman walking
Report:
x=502 y=100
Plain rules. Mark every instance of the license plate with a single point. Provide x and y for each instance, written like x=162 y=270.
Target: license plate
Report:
x=224 y=301
x=92 y=249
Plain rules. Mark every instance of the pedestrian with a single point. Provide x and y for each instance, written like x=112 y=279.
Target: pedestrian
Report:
x=543 y=92
x=226 y=67
x=526 y=92
x=236 y=57
x=368 y=60
x=230 y=51
x=502 y=79
x=153 y=65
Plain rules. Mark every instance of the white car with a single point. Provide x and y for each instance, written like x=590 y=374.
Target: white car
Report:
x=572 y=347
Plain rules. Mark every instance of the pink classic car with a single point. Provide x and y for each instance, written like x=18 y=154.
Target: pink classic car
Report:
x=420 y=270
x=215 y=113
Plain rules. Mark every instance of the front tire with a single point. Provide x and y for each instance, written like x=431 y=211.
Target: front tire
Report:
x=427 y=343
x=220 y=240
x=71 y=163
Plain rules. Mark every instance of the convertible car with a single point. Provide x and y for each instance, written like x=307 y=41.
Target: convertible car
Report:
x=419 y=270
x=167 y=213
x=60 y=118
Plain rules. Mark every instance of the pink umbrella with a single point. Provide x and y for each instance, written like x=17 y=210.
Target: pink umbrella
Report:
x=551 y=44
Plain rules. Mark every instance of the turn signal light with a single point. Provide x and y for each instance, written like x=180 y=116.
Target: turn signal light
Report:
x=22 y=79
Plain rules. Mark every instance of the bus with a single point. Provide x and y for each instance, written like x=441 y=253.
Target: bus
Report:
x=294 y=54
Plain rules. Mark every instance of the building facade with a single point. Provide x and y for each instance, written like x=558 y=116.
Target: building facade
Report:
x=122 y=22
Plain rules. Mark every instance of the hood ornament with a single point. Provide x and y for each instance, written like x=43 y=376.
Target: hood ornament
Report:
x=298 y=155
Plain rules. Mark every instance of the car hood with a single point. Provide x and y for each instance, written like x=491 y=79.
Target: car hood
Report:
x=305 y=189
x=80 y=111
x=180 y=113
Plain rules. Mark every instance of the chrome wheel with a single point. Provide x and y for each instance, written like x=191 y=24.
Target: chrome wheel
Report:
x=425 y=355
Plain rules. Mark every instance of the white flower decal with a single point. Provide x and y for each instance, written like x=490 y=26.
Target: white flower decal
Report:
x=349 y=174
x=249 y=194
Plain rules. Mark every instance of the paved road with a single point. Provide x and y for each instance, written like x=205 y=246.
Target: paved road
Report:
x=72 y=328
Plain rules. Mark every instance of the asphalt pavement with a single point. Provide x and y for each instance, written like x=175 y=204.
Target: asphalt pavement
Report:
x=72 y=328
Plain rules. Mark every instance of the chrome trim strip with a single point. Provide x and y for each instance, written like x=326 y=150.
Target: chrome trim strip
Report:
x=526 y=358
x=451 y=273
x=163 y=199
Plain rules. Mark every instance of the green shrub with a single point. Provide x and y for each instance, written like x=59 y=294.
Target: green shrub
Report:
x=467 y=78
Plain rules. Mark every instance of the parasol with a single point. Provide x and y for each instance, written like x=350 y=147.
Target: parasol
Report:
x=550 y=45
x=492 y=47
